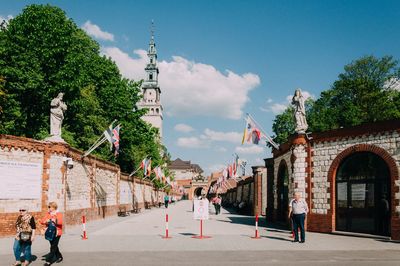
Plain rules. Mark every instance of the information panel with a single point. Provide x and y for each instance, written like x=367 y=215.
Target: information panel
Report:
x=200 y=209
x=20 y=180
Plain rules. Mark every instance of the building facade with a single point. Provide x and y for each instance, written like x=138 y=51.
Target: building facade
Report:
x=349 y=177
x=187 y=175
x=151 y=91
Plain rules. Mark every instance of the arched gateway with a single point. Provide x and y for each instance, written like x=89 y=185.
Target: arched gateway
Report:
x=363 y=194
x=283 y=191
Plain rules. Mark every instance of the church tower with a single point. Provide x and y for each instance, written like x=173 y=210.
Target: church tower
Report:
x=150 y=89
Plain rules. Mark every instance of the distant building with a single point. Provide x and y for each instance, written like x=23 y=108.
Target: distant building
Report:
x=151 y=91
x=188 y=177
x=184 y=170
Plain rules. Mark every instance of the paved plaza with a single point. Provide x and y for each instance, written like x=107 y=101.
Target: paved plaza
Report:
x=137 y=240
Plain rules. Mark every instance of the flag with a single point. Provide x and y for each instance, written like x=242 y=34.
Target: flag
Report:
x=247 y=129
x=115 y=139
x=225 y=174
x=146 y=166
x=255 y=136
x=251 y=132
x=230 y=171
x=159 y=173
x=235 y=166
x=108 y=133
x=112 y=135
x=148 y=170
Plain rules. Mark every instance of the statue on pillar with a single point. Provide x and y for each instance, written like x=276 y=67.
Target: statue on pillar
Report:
x=299 y=112
x=57 y=109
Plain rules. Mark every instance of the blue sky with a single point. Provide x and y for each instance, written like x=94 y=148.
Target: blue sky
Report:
x=221 y=59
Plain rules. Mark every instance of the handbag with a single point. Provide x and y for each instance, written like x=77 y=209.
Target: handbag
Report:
x=25 y=236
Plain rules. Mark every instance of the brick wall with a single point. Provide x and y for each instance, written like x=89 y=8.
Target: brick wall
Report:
x=93 y=187
x=312 y=165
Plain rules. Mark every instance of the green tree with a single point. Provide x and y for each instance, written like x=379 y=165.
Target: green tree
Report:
x=363 y=93
x=42 y=53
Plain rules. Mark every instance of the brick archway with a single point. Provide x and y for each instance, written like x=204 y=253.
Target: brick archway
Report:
x=282 y=203
x=394 y=175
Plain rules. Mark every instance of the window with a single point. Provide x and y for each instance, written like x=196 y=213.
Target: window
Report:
x=151 y=60
x=151 y=77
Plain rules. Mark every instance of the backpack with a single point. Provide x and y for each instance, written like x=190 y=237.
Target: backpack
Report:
x=51 y=231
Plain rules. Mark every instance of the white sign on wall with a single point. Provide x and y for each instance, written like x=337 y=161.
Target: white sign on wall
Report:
x=200 y=209
x=20 y=180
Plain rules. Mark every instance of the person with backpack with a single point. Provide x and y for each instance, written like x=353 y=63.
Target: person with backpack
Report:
x=26 y=227
x=53 y=221
x=166 y=200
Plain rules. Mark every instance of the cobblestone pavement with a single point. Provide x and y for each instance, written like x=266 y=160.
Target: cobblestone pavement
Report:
x=137 y=240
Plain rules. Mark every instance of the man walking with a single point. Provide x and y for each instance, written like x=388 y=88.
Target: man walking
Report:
x=298 y=210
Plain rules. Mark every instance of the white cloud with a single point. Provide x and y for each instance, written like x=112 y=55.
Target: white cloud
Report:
x=5 y=18
x=191 y=88
x=95 y=31
x=216 y=167
x=233 y=137
x=191 y=142
x=221 y=149
x=253 y=149
x=183 y=128
x=132 y=68
x=209 y=136
x=278 y=108
x=259 y=161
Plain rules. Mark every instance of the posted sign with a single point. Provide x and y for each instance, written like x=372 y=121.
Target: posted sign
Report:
x=200 y=209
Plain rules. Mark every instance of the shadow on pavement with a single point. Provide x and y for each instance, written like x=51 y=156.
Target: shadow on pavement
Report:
x=246 y=220
x=187 y=234
x=277 y=238
x=388 y=241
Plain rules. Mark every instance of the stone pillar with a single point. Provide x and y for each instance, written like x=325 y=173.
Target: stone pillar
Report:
x=269 y=165
x=299 y=167
x=258 y=172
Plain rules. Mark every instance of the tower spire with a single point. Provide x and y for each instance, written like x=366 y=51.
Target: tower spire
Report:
x=150 y=89
x=152 y=30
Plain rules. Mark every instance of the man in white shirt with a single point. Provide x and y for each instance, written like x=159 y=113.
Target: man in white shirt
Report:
x=298 y=210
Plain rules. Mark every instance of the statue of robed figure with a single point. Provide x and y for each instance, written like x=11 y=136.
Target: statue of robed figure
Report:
x=299 y=112
x=57 y=109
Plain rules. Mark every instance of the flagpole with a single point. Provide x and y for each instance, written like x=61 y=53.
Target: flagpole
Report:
x=101 y=139
x=270 y=140
x=134 y=172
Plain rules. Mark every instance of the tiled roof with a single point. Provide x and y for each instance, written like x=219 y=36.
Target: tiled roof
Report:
x=185 y=165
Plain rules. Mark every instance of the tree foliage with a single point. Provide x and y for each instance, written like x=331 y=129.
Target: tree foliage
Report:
x=42 y=53
x=363 y=93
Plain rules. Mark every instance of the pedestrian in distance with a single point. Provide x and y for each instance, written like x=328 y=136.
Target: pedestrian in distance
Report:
x=166 y=201
x=26 y=228
x=298 y=210
x=213 y=201
x=218 y=203
x=53 y=219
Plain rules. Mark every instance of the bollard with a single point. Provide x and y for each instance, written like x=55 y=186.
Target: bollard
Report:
x=166 y=227
x=257 y=235
x=201 y=236
x=84 y=236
